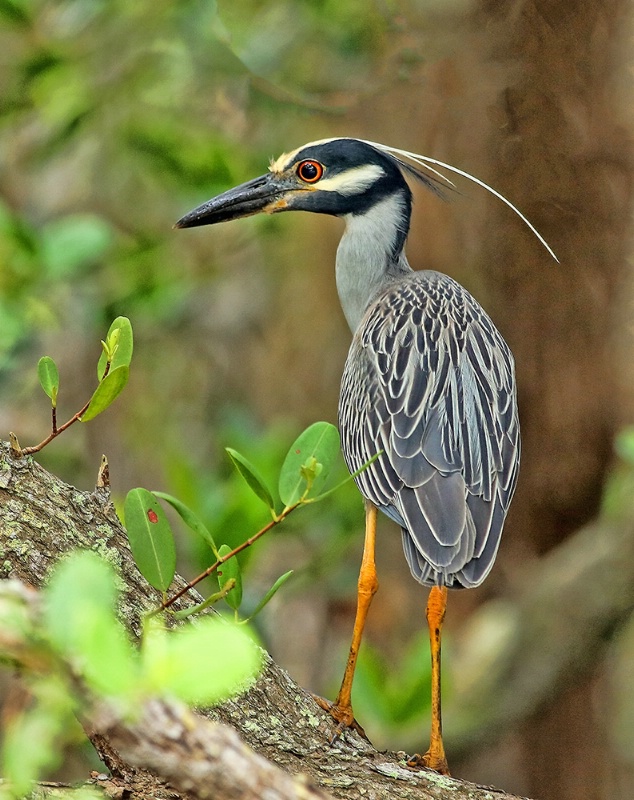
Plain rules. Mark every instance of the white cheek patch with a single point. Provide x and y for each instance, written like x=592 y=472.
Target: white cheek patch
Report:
x=352 y=181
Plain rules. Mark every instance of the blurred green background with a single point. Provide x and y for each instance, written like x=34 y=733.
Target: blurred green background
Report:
x=117 y=117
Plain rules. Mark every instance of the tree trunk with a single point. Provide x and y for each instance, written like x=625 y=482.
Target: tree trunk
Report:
x=562 y=153
x=565 y=158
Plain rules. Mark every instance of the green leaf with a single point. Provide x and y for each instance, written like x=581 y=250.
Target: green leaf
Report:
x=106 y=393
x=120 y=339
x=252 y=476
x=49 y=377
x=151 y=538
x=230 y=570
x=201 y=664
x=308 y=462
x=81 y=622
x=190 y=519
x=344 y=481
x=271 y=593
x=208 y=601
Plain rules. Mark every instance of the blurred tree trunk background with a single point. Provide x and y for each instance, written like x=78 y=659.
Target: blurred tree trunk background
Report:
x=561 y=148
x=117 y=118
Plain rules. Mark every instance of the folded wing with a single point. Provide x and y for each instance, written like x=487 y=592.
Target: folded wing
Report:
x=429 y=381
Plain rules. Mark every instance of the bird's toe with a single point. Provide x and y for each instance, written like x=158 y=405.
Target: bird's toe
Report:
x=343 y=716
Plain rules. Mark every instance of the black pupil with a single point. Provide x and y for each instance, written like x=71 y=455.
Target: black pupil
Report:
x=309 y=171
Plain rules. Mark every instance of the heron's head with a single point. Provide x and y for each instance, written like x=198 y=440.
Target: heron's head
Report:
x=343 y=177
x=335 y=176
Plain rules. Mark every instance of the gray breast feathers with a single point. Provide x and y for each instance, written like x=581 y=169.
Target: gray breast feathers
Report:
x=430 y=382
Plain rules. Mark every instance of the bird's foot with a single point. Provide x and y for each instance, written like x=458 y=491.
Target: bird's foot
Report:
x=432 y=759
x=343 y=716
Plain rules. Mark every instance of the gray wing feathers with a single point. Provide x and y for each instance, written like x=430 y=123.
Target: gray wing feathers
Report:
x=429 y=381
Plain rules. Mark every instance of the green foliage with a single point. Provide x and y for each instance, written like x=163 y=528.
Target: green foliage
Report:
x=201 y=664
x=625 y=444
x=113 y=368
x=74 y=243
x=81 y=637
x=15 y=11
x=213 y=598
x=113 y=372
x=308 y=463
x=32 y=735
x=252 y=477
x=32 y=738
x=391 y=695
x=117 y=347
x=230 y=571
x=271 y=593
x=82 y=626
x=305 y=468
x=217 y=492
x=106 y=392
x=193 y=522
x=48 y=375
x=151 y=538
x=229 y=510
x=619 y=490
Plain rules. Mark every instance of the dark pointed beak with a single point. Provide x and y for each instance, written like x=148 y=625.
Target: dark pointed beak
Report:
x=265 y=193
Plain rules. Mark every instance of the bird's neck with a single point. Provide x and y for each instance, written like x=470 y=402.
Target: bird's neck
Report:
x=370 y=255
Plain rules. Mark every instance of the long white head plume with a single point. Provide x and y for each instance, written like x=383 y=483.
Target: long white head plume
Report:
x=426 y=162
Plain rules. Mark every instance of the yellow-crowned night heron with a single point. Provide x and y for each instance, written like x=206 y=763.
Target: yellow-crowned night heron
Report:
x=428 y=382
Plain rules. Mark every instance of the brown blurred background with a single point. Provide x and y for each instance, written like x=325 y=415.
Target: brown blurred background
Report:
x=116 y=118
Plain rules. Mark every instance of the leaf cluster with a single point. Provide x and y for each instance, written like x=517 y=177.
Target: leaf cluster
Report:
x=113 y=370
x=301 y=482
x=78 y=651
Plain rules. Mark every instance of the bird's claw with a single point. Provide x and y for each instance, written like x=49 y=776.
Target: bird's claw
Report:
x=429 y=760
x=343 y=716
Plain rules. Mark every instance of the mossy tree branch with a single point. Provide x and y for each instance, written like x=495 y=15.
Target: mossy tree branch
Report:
x=281 y=730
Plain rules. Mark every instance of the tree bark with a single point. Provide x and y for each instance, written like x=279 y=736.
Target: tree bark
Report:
x=282 y=732
x=560 y=146
x=564 y=156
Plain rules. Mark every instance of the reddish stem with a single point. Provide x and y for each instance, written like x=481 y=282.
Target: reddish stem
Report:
x=55 y=431
x=210 y=570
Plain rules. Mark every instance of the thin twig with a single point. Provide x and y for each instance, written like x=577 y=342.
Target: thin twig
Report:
x=210 y=570
x=26 y=451
x=55 y=431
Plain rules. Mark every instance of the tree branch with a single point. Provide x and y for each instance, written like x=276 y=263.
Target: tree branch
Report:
x=40 y=519
x=198 y=757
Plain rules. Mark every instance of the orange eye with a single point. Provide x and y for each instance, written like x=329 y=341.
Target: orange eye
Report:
x=310 y=171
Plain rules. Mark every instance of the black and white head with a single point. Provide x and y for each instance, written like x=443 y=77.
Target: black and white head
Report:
x=340 y=177
x=343 y=177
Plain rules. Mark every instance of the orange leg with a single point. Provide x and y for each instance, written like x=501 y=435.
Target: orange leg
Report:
x=435 y=757
x=368 y=584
